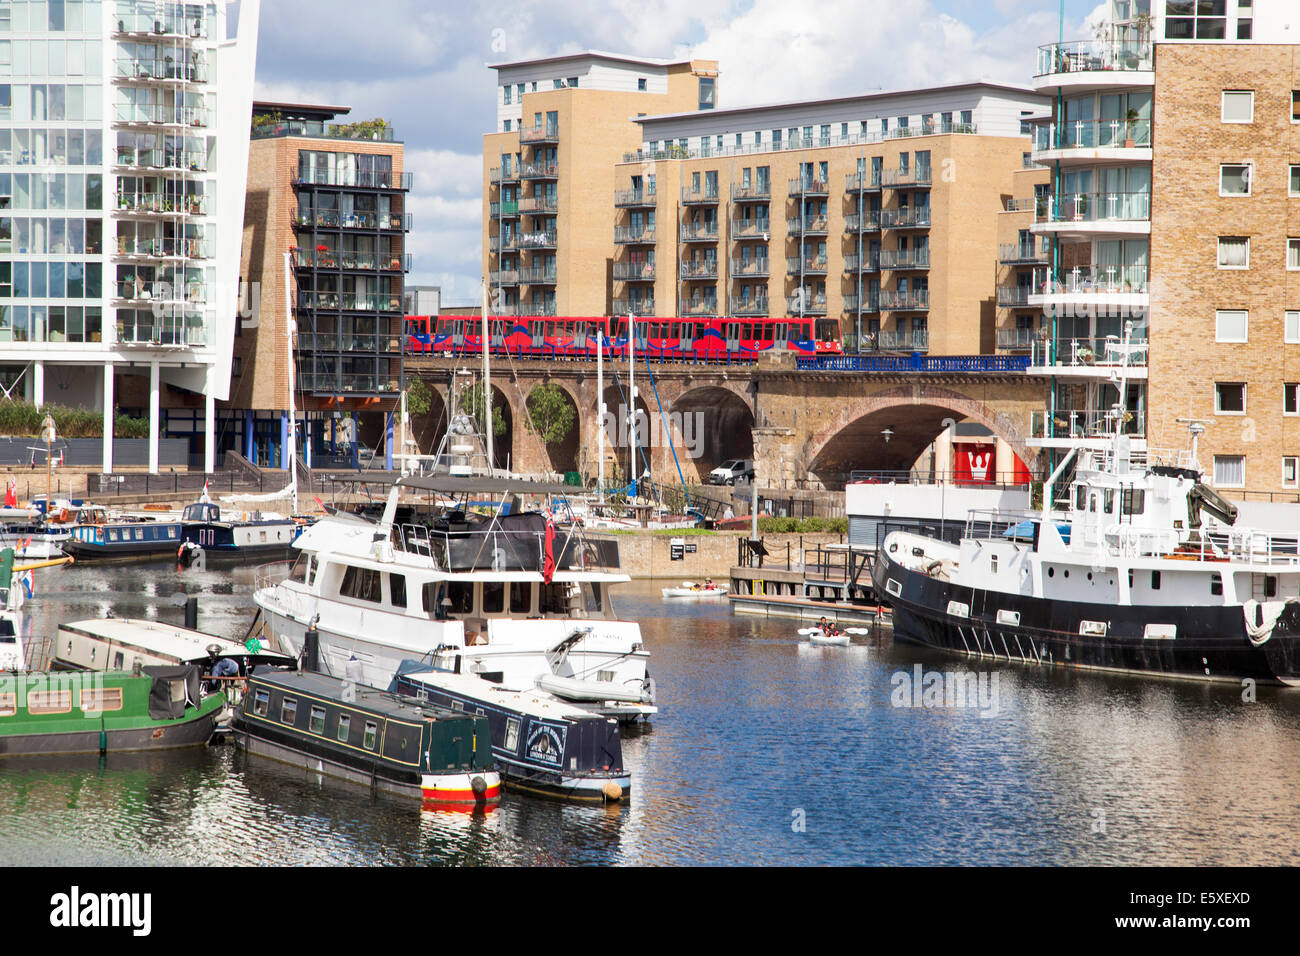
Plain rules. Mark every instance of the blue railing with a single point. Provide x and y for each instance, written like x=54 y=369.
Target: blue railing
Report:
x=916 y=362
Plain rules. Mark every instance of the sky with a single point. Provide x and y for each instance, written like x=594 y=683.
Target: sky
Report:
x=423 y=67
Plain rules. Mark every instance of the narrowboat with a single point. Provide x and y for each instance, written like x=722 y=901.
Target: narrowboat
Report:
x=140 y=540
x=541 y=744
x=396 y=745
x=44 y=713
x=123 y=644
x=251 y=537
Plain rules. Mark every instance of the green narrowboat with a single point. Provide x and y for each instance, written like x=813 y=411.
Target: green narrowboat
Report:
x=95 y=712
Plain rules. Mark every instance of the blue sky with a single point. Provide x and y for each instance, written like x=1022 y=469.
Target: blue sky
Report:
x=422 y=66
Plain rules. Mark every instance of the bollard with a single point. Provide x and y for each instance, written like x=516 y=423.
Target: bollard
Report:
x=192 y=613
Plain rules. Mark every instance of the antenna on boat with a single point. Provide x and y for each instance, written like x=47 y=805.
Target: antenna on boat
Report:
x=1196 y=426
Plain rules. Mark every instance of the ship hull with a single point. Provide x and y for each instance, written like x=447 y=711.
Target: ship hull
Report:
x=1209 y=643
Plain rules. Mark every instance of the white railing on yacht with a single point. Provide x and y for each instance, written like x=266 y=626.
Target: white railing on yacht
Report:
x=995 y=523
x=269 y=575
x=1246 y=545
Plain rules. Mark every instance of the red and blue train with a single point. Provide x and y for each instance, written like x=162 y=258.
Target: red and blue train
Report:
x=721 y=339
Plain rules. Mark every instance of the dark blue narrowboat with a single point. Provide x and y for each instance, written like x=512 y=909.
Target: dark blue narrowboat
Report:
x=541 y=744
x=124 y=541
x=238 y=537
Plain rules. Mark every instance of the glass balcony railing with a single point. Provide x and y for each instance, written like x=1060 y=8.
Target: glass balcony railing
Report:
x=917 y=340
x=144 y=328
x=349 y=302
x=808 y=186
x=908 y=178
x=1088 y=423
x=857 y=182
x=164 y=20
x=1097 y=207
x=361 y=178
x=701 y=307
x=1098 y=280
x=160 y=204
x=182 y=66
x=535 y=205
x=156 y=115
x=190 y=291
x=1099 y=350
x=503 y=277
x=1118 y=133
x=1092 y=56
x=869 y=302
x=751 y=229
x=1016 y=339
x=1014 y=253
x=760 y=192
x=355 y=261
x=546 y=133
x=269 y=128
x=539 y=170
x=354 y=220
x=160 y=248
x=749 y=305
x=703 y=195
x=699 y=231
x=541 y=239
x=911 y=217
x=137 y=158
x=805 y=303
x=1014 y=296
x=537 y=275
x=635 y=197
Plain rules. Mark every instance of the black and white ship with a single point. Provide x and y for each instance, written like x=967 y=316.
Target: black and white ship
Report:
x=1145 y=571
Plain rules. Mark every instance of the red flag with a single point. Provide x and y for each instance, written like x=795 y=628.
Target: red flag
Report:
x=548 y=562
x=11 y=494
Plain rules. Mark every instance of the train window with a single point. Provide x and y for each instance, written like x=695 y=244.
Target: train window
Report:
x=767 y=331
x=780 y=332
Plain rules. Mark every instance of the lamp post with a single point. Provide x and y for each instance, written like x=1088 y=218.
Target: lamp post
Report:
x=888 y=432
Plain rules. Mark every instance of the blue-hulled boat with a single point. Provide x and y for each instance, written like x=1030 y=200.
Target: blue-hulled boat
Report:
x=249 y=537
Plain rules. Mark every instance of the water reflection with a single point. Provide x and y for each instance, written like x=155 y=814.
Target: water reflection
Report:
x=767 y=750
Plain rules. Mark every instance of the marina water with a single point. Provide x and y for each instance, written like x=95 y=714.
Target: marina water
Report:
x=767 y=751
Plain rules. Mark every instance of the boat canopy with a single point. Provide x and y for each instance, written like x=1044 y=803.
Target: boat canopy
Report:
x=174 y=688
x=1024 y=531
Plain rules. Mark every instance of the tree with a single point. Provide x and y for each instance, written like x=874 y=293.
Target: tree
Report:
x=471 y=403
x=550 y=413
x=362 y=129
x=418 y=398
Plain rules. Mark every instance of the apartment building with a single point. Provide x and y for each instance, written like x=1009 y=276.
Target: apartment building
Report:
x=548 y=171
x=875 y=215
x=1173 y=146
x=331 y=196
x=123 y=155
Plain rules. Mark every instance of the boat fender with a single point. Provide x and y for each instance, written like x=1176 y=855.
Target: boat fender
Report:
x=1261 y=617
x=933 y=568
x=612 y=791
x=478 y=785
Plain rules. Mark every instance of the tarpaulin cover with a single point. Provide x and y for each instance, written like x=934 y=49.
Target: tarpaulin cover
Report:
x=163 y=703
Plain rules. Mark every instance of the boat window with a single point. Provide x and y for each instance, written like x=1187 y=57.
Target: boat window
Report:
x=316 y=723
x=1080 y=497
x=1134 y=501
x=1216 y=583
x=289 y=711
x=261 y=701
x=1270 y=586
x=7 y=630
x=461 y=596
x=521 y=597
x=1155 y=580
x=8 y=705
x=1110 y=500
x=299 y=570
x=494 y=597
x=97 y=700
x=397 y=589
x=593 y=596
x=372 y=735
x=171 y=532
x=49 y=701
x=362 y=584
x=553 y=599
x=119 y=661
x=345 y=727
x=993 y=563
x=512 y=734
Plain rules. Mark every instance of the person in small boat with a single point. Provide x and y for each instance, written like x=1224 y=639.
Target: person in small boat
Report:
x=823 y=626
x=709 y=585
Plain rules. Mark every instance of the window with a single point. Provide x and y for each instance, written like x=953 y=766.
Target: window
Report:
x=1196 y=19
x=1234 y=179
x=706 y=92
x=1293 y=187
x=1290 y=471
x=505 y=92
x=573 y=82
x=1234 y=252
x=1238 y=106
x=512 y=734
x=557 y=84
x=1155 y=580
x=1295 y=106
x=345 y=727
x=8 y=704
x=397 y=589
x=1291 y=399
x=641 y=84
x=362 y=584
x=1230 y=325
x=1216 y=582
x=289 y=711
x=49 y=701
x=372 y=735
x=1291 y=327
x=1293 y=254
x=1229 y=471
x=316 y=722
x=261 y=699
x=101 y=700
x=507 y=126
x=1230 y=398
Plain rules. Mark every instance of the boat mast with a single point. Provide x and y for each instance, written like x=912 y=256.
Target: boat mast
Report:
x=487 y=385
x=631 y=397
x=600 y=413
x=293 y=412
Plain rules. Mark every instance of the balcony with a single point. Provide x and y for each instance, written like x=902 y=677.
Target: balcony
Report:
x=539 y=170
x=367 y=221
x=804 y=303
x=135 y=247
x=535 y=135
x=350 y=261
x=361 y=179
x=1013 y=296
x=1093 y=63
x=918 y=177
x=870 y=303
x=751 y=229
x=1087 y=423
x=707 y=196
x=637 y=307
x=161 y=22
x=808 y=186
x=1093 y=140
x=917 y=300
x=857 y=263
x=757 y=267
x=349 y=302
x=634 y=271
x=535 y=275
x=862 y=182
x=634 y=235
x=503 y=277
x=702 y=307
x=762 y=192
x=1102 y=212
x=805 y=265
x=704 y=269
x=539 y=205
x=700 y=231
x=1016 y=340
x=1097 y=280
x=806 y=226
x=541 y=239
x=868 y=221
x=496 y=177
x=749 y=305
x=914 y=341
x=170 y=289
x=178 y=67
x=503 y=210
x=157 y=115
x=905 y=259
x=1022 y=253
x=536 y=308
x=159 y=204
x=1095 y=356
x=632 y=198
x=910 y=218
x=145 y=328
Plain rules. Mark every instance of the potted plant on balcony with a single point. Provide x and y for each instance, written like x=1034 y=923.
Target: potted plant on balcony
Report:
x=1131 y=119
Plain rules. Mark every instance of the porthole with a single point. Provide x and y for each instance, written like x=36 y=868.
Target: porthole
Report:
x=893 y=548
x=1051 y=572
